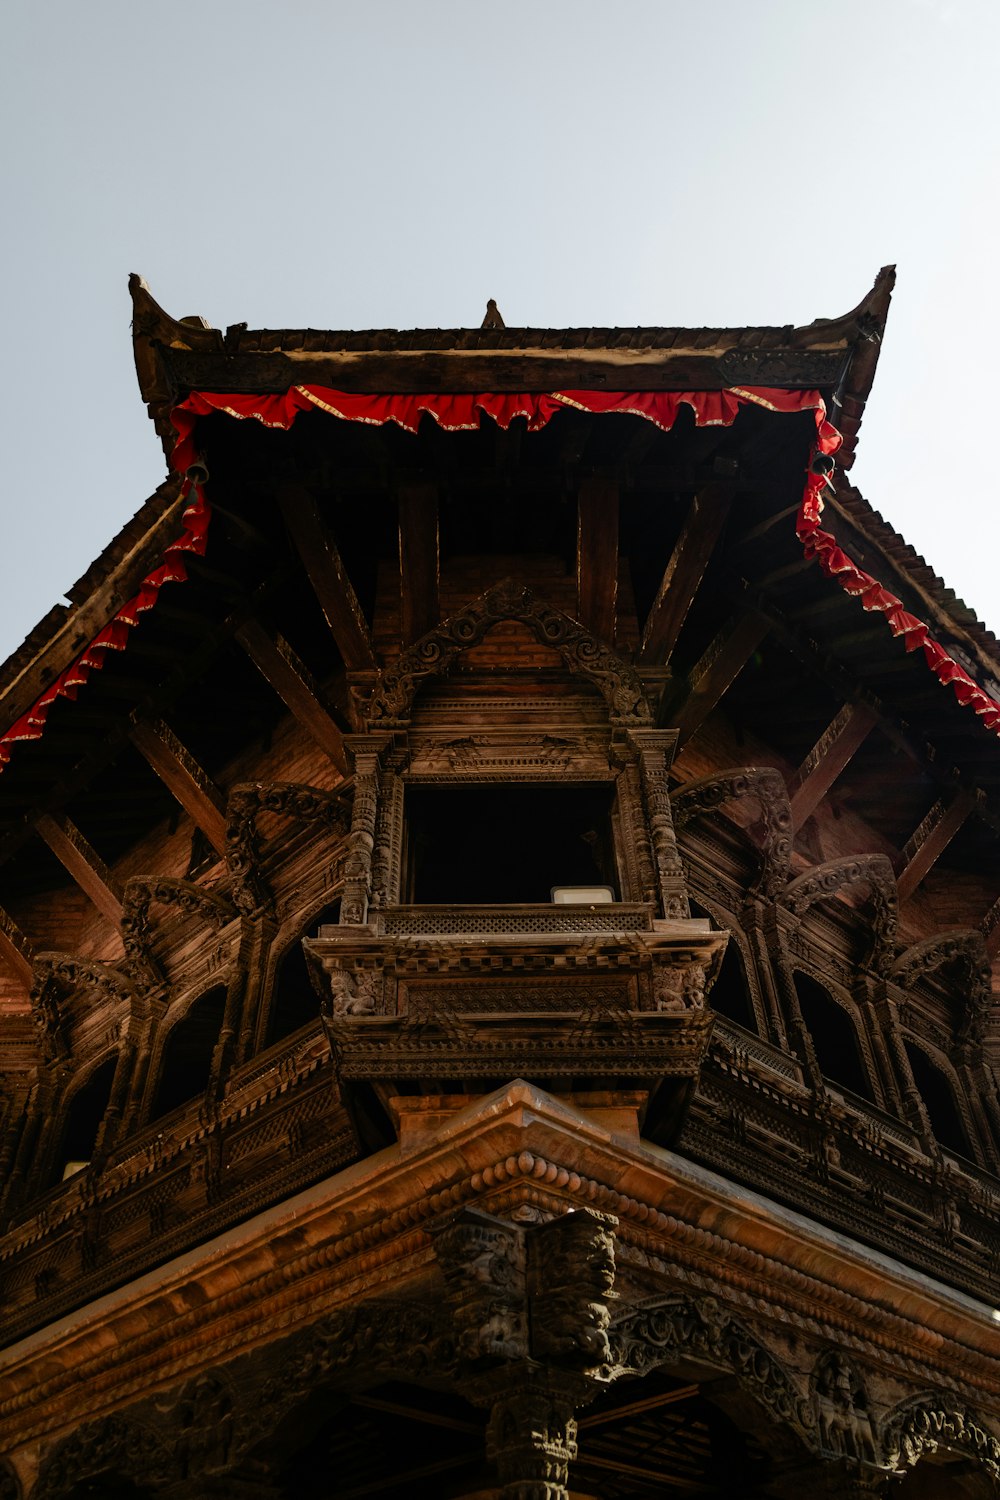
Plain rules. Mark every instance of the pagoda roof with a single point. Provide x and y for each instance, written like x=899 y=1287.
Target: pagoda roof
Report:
x=839 y=355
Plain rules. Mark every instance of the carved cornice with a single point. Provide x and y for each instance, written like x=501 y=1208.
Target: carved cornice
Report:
x=517 y=1148
x=583 y=653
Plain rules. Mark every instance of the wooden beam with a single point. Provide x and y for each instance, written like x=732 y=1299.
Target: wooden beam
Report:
x=419 y=1414
x=419 y=562
x=86 y=866
x=329 y=578
x=597 y=556
x=657 y=1476
x=991 y=929
x=828 y=757
x=295 y=686
x=715 y=673
x=184 y=778
x=634 y=1408
x=921 y=852
x=15 y=949
x=684 y=572
x=402 y=1479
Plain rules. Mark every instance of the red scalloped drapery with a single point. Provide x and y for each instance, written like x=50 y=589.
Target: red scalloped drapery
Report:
x=460 y=413
x=114 y=636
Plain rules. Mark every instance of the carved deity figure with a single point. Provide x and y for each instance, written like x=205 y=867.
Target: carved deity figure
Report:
x=842 y=1410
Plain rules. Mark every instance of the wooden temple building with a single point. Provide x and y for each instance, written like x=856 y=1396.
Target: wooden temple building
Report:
x=499 y=906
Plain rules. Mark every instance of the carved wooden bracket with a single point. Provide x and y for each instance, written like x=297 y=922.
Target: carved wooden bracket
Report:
x=826 y=881
x=306 y=804
x=767 y=787
x=141 y=893
x=964 y=951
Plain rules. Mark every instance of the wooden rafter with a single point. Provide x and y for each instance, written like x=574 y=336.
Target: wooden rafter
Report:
x=922 y=851
x=184 y=779
x=828 y=757
x=658 y=1475
x=718 y=668
x=295 y=686
x=636 y=1408
x=15 y=949
x=86 y=866
x=684 y=571
x=419 y=561
x=597 y=556
x=991 y=929
x=331 y=584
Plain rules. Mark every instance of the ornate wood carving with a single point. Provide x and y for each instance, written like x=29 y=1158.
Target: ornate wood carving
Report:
x=142 y=891
x=825 y=881
x=964 y=951
x=367 y=751
x=531 y=1436
x=111 y=1446
x=483 y=1260
x=844 y=1424
x=655 y=749
x=681 y=1330
x=306 y=804
x=571 y=1279
x=767 y=787
x=433 y=654
x=935 y=1423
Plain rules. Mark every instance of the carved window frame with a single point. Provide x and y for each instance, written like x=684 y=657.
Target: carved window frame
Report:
x=603 y=757
x=293 y=930
x=961 y=1092
x=856 y=1015
x=727 y=922
x=54 y=1132
x=175 y=1013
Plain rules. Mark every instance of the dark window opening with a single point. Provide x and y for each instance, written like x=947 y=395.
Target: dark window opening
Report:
x=506 y=844
x=187 y=1057
x=294 y=1002
x=730 y=994
x=935 y=1088
x=834 y=1038
x=83 y=1121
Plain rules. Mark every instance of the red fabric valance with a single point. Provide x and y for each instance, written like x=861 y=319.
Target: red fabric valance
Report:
x=459 y=413
x=114 y=636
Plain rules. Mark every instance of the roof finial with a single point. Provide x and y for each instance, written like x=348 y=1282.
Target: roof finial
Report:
x=493 y=318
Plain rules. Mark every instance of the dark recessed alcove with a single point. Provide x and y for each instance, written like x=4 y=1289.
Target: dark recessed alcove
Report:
x=939 y=1100
x=506 y=844
x=834 y=1037
x=187 y=1055
x=84 y=1117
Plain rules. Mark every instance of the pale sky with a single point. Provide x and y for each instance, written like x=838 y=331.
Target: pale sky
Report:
x=397 y=162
